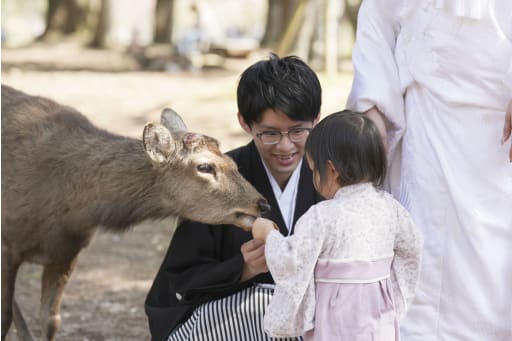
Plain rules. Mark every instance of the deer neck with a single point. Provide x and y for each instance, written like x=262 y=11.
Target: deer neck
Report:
x=125 y=192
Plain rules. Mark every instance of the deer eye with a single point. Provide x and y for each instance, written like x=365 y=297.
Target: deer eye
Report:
x=205 y=168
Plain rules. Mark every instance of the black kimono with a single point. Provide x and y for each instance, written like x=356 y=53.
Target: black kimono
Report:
x=204 y=262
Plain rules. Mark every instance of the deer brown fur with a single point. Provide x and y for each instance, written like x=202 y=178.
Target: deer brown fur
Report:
x=62 y=178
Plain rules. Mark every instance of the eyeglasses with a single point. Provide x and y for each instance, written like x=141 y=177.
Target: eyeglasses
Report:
x=274 y=137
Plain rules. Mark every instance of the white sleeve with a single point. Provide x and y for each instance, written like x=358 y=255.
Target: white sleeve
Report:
x=291 y=261
x=406 y=262
x=376 y=78
x=508 y=77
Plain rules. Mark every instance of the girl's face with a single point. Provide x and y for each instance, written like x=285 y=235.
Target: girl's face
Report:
x=330 y=185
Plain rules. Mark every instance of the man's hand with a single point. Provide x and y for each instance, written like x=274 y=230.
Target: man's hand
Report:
x=507 y=129
x=253 y=252
x=378 y=118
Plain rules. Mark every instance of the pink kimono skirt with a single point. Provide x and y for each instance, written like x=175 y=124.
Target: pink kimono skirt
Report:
x=354 y=302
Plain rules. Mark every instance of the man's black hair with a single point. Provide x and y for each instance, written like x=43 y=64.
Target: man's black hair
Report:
x=286 y=84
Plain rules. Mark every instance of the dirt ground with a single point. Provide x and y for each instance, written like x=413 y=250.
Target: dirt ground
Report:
x=104 y=299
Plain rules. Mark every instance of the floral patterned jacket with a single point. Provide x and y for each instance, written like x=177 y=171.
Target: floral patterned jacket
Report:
x=359 y=224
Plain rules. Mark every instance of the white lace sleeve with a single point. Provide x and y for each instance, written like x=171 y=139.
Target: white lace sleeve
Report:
x=406 y=263
x=291 y=261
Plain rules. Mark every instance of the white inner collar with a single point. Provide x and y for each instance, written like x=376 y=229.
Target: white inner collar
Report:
x=286 y=198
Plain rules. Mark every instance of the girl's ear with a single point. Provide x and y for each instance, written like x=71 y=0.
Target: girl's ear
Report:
x=333 y=171
x=242 y=123
x=310 y=162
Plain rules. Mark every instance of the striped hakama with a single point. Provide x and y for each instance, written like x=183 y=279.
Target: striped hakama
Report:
x=238 y=317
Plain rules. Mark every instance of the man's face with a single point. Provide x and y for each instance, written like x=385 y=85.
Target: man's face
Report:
x=283 y=157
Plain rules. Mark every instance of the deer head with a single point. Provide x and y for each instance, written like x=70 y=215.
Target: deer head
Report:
x=209 y=183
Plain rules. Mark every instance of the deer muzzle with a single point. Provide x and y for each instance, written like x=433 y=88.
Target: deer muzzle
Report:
x=264 y=207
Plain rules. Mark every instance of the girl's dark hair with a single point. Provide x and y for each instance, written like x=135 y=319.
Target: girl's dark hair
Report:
x=353 y=144
x=286 y=84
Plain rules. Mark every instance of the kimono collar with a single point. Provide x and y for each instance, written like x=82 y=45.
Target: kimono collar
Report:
x=287 y=197
x=474 y=9
x=355 y=189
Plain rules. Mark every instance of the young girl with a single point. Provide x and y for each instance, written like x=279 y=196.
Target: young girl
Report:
x=349 y=271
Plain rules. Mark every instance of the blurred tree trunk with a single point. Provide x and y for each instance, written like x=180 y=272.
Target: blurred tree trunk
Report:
x=63 y=16
x=279 y=16
x=164 y=13
x=311 y=30
x=333 y=8
x=308 y=31
x=50 y=16
x=99 y=39
x=288 y=40
x=351 y=11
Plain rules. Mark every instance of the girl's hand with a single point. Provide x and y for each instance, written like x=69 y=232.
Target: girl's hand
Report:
x=507 y=129
x=261 y=227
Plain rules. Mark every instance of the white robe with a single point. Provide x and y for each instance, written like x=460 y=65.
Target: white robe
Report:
x=441 y=72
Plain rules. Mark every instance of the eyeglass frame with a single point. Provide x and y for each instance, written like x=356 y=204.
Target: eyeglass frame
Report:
x=282 y=134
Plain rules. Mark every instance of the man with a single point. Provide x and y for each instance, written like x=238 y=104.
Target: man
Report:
x=214 y=283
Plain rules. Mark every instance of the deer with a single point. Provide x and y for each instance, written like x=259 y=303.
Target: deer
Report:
x=63 y=178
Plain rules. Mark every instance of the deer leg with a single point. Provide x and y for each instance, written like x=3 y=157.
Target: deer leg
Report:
x=10 y=266
x=22 y=329
x=55 y=278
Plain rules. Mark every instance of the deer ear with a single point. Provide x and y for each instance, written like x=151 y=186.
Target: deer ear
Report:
x=172 y=121
x=158 y=143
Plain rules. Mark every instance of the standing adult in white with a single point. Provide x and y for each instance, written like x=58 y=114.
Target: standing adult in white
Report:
x=437 y=77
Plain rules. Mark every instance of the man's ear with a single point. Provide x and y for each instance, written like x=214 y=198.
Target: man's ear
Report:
x=317 y=119
x=242 y=123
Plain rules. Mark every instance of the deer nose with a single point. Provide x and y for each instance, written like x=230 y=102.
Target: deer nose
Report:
x=264 y=206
